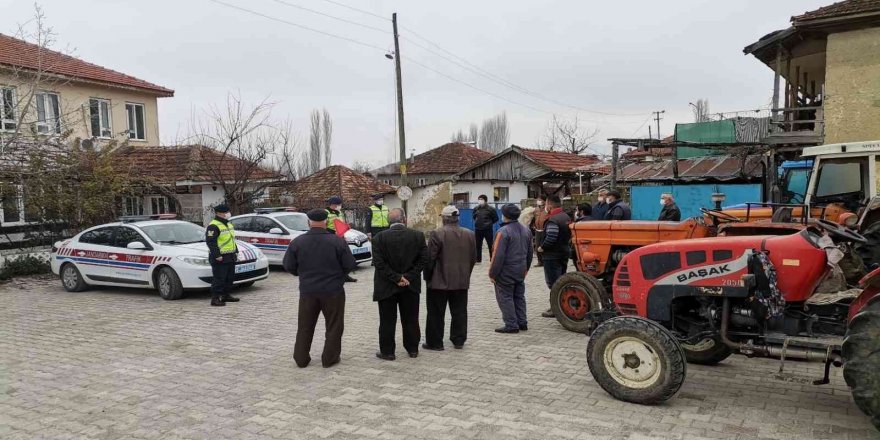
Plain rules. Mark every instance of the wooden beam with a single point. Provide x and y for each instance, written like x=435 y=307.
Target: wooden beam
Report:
x=776 y=73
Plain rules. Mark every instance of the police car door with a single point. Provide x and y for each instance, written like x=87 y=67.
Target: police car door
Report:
x=91 y=254
x=132 y=265
x=244 y=229
x=268 y=239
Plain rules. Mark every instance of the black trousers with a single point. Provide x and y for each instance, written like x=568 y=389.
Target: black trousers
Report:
x=222 y=276
x=484 y=234
x=408 y=303
x=436 y=301
x=310 y=306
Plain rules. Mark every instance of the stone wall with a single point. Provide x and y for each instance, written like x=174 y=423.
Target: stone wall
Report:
x=852 y=86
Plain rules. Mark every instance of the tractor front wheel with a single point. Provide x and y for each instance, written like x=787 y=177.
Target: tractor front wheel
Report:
x=861 y=353
x=636 y=360
x=574 y=296
x=708 y=351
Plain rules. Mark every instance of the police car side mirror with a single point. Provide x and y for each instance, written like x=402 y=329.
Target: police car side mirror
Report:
x=276 y=231
x=136 y=245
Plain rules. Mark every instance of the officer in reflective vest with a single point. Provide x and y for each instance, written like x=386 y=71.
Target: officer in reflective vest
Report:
x=334 y=211
x=220 y=238
x=378 y=216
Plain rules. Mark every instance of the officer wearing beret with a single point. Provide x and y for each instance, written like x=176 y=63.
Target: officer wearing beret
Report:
x=220 y=238
x=321 y=260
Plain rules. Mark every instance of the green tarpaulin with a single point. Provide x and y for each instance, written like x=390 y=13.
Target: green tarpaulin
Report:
x=704 y=132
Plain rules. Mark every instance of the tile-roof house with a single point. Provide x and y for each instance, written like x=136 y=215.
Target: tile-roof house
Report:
x=190 y=164
x=848 y=8
x=355 y=189
x=434 y=165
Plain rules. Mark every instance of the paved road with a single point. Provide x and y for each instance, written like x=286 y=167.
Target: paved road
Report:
x=114 y=363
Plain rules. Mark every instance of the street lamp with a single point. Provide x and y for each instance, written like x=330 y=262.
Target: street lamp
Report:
x=718 y=198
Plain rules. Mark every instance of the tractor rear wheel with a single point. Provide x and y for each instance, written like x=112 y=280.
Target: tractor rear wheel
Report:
x=708 y=351
x=861 y=353
x=574 y=296
x=636 y=360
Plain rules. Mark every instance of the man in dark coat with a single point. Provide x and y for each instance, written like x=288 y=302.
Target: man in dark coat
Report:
x=485 y=218
x=537 y=229
x=448 y=275
x=510 y=265
x=321 y=260
x=222 y=254
x=400 y=255
x=601 y=206
x=583 y=213
x=670 y=211
x=617 y=208
x=555 y=245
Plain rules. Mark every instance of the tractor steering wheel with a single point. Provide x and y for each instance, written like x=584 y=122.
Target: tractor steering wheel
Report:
x=720 y=215
x=840 y=232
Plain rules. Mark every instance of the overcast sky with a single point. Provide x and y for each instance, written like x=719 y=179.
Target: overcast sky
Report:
x=623 y=57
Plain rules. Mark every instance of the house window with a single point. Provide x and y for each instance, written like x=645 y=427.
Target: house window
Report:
x=12 y=204
x=135 y=113
x=501 y=193
x=423 y=181
x=7 y=109
x=48 y=113
x=387 y=181
x=461 y=200
x=132 y=205
x=161 y=205
x=99 y=111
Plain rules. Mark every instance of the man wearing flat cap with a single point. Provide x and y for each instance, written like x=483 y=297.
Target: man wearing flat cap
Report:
x=321 y=260
x=222 y=253
x=511 y=260
x=452 y=255
x=617 y=208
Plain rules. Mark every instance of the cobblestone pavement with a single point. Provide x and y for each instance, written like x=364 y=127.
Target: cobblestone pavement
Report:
x=115 y=363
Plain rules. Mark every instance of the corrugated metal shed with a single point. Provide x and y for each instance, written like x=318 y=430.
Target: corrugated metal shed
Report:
x=697 y=169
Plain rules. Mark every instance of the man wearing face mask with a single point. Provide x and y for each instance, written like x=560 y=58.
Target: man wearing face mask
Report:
x=670 y=211
x=617 y=209
x=220 y=238
x=601 y=206
x=485 y=218
x=377 y=218
x=541 y=217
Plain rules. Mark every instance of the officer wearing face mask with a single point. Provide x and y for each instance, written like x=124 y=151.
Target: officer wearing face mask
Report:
x=377 y=218
x=220 y=238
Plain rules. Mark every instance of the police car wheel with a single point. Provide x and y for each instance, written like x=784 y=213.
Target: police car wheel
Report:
x=71 y=279
x=168 y=284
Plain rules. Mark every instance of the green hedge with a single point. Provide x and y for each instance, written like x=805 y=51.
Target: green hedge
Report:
x=24 y=265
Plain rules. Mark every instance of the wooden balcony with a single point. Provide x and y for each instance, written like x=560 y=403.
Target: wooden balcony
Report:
x=796 y=126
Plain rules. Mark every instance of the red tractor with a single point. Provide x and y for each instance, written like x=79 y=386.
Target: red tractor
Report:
x=700 y=300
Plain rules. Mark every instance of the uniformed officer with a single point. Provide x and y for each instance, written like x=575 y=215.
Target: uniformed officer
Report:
x=378 y=216
x=334 y=211
x=223 y=252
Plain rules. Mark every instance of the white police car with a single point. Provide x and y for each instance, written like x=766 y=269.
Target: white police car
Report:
x=147 y=252
x=272 y=230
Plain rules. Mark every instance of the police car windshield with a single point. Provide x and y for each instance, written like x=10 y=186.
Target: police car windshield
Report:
x=294 y=222
x=175 y=233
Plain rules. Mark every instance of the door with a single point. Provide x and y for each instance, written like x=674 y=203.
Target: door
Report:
x=91 y=254
x=273 y=245
x=131 y=266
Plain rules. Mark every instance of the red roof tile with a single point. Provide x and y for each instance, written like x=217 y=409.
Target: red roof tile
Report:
x=21 y=54
x=450 y=158
x=839 y=9
x=559 y=161
x=169 y=165
x=354 y=188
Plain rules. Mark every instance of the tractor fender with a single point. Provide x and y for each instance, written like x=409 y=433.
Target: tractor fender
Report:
x=870 y=284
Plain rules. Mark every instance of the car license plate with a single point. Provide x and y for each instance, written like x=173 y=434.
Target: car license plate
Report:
x=361 y=250
x=245 y=267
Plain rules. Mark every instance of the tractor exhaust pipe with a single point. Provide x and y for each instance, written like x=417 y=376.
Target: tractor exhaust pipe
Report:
x=772 y=351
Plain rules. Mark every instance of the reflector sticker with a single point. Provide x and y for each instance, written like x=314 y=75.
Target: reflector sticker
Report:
x=788 y=262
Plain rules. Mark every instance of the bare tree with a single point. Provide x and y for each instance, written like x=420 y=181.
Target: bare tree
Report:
x=327 y=129
x=473 y=133
x=458 y=136
x=315 y=145
x=247 y=141
x=361 y=166
x=494 y=134
x=570 y=136
x=700 y=110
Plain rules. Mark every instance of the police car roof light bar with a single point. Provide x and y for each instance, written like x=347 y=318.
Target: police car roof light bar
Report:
x=275 y=209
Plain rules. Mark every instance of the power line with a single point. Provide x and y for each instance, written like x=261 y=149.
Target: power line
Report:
x=358 y=10
x=504 y=81
x=643 y=124
x=384 y=31
x=290 y=23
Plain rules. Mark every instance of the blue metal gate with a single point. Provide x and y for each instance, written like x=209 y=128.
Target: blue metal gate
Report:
x=467 y=214
x=689 y=198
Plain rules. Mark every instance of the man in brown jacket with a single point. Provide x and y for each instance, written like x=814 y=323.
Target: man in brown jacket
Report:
x=452 y=251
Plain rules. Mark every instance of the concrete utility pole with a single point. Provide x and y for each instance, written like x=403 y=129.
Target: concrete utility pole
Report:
x=403 y=181
x=614 y=148
x=658 y=118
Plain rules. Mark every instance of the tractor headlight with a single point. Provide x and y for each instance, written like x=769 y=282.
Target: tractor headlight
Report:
x=196 y=261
